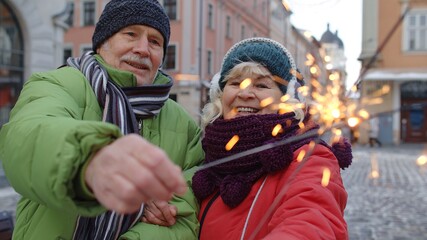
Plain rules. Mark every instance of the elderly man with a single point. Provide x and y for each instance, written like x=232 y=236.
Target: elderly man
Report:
x=87 y=144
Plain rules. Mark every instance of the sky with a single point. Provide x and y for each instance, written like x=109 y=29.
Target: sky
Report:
x=344 y=16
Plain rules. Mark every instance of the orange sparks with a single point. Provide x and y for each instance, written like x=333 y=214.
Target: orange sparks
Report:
x=303 y=90
x=232 y=142
x=285 y=108
x=245 y=83
x=285 y=98
x=276 y=130
x=326 y=177
x=375 y=173
x=266 y=102
x=313 y=70
x=296 y=74
x=422 y=160
x=310 y=59
x=336 y=113
x=301 y=156
x=311 y=145
x=364 y=114
x=301 y=125
x=353 y=121
x=372 y=101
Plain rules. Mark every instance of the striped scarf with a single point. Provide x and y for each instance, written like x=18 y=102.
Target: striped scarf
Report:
x=121 y=106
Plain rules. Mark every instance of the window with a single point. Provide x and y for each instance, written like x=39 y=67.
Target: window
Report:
x=88 y=13
x=416 y=31
x=210 y=16
x=11 y=60
x=170 y=59
x=209 y=62
x=70 y=18
x=170 y=8
x=68 y=52
x=228 y=27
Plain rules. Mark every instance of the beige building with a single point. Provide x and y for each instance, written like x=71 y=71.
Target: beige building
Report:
x=31 y=37
x=41 y=34
x=393 y=83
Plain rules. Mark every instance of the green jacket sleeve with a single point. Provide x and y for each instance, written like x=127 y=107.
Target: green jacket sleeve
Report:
x=51 y=133
x=186 y=226
x=183 y=145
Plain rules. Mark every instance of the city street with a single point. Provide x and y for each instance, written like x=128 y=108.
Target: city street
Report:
x=393 y=205
x=387 y=194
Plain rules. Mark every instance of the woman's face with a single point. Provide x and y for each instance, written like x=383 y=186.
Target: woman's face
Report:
x=238 y=100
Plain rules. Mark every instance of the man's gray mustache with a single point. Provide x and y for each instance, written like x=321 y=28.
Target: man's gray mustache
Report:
x=138 y=60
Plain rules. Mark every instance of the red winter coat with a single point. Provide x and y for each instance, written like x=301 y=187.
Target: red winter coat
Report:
x=306 y=211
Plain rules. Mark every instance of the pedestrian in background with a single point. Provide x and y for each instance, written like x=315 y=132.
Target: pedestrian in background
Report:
x=88 y=143
x=236 y=195
x=374 y=129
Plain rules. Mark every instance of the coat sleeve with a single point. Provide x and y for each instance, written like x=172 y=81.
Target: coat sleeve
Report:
x=309 y=210
x=46 y=141
x=187 y=224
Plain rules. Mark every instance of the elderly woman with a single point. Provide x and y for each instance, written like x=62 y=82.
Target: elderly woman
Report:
x=236 y=195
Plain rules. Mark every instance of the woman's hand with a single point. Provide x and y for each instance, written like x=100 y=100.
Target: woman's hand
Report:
x=160 y=213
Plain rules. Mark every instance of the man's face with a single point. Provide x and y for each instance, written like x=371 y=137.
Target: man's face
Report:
x=137 y=49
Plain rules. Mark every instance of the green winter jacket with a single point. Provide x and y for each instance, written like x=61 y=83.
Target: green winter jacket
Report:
x=55 y=127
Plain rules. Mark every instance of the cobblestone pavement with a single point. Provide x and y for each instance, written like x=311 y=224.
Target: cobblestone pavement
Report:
x=391 y=206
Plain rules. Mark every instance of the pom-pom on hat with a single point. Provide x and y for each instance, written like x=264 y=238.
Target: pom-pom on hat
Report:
x=270 y=54
x=119 y=14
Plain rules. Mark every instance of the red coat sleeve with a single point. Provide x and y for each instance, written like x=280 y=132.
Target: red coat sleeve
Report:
x=308 y=210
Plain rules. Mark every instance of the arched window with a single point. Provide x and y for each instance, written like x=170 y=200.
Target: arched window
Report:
x=11 y=60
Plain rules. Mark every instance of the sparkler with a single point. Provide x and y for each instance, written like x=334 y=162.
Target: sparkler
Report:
x=330 y=108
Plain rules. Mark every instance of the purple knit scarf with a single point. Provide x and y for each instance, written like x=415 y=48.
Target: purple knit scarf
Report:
x=234 y=179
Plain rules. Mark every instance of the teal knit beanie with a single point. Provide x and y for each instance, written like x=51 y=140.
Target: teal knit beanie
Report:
x=270 y=54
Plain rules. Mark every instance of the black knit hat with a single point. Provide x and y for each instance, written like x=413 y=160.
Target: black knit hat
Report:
x=118 y=14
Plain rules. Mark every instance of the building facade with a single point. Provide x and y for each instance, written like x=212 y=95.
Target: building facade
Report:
x=40 y=35
x=393 y=79
x=31 y=37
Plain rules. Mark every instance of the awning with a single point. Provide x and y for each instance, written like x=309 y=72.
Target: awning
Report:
x=401 y=74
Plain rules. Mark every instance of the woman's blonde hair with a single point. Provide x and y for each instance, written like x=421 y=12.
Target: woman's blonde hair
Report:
x=213 y=109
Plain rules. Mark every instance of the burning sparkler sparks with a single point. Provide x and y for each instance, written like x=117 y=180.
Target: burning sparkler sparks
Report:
x=326 y=177
x=245 y=83
x=301 y=156
x=232 y=142
x=328 y=107
x=422 y=160
x=276 y=130
x=375 y=173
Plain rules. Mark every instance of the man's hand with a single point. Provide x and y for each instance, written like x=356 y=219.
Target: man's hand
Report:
x=131 y=171
x=160 y=213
